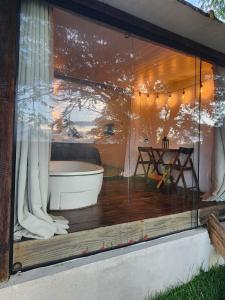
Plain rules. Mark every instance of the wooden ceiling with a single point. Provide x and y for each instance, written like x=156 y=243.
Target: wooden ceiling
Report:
x=84 y=49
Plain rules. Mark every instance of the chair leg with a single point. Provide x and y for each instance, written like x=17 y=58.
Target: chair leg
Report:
x=196 y=180
x=178 y=178
x=143 y=165
x=135 y=172
x=194 y=175
x=184 y=182
x=145 y=172
x=149 y=165
x=181 y=176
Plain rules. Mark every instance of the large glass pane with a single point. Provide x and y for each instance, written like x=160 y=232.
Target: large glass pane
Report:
x=106 y=125
x=74 y=97
x=92 y=81
x=164 y=139
x=212 y=163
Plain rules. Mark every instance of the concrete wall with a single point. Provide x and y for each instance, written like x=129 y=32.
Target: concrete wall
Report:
x=130 y=273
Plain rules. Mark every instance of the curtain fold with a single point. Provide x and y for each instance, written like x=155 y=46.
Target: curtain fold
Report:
x=34 y=125
x=217 y=190
x=133 y=141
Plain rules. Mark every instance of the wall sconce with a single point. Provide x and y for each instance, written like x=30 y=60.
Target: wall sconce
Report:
x=109 y=129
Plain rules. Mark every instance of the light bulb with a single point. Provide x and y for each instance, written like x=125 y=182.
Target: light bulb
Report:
x=201 y=88
x=169 y=99
x=157 y=98
x=183 y=94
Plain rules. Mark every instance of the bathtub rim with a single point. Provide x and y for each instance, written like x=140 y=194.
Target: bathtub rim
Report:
x=99 y=169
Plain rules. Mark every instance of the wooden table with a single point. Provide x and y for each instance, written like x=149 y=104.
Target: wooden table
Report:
x=156 y=158
x=159 y=156
x=161 y=153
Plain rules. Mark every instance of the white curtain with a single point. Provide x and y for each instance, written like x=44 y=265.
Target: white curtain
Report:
x=217 y=190
x=33 y=125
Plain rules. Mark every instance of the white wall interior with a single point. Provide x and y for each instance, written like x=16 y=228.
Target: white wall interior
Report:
x=130 y=273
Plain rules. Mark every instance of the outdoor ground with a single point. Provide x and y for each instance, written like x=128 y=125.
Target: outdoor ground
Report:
x=207 y=285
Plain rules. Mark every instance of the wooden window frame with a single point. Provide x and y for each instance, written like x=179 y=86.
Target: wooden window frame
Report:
x=9 y=33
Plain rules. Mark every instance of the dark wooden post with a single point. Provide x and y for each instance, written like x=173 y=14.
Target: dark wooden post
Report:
x=8 y=66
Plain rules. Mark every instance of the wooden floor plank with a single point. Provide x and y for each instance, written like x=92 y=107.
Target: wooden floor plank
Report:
x=121 y=201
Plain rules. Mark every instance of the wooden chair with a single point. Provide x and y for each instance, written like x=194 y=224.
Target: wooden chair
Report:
x=143 y=161
x=183 y=165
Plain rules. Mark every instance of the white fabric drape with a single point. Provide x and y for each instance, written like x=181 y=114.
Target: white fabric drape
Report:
x=33 y=125
x=217 y=191
x=134 y=139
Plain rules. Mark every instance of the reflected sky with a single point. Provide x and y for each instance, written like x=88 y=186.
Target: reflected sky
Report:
x=194 y=2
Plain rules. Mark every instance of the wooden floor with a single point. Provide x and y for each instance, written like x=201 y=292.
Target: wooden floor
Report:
x=122 y=201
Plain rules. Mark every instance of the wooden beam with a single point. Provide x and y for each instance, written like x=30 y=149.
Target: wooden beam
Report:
x=217 y=234
x=134 y=25
x=86 y=82
x=34 y=253
x=8 y=66
x=203 y=213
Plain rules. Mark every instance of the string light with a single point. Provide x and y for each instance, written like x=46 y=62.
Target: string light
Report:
x=201 y=88
x=147 y=93
x=170 y=93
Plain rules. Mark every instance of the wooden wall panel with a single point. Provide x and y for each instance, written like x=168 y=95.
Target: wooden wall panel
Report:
x=129 y=23
x=8 y=46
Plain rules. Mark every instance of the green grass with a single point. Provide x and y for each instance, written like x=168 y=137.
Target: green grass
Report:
x=207 y=285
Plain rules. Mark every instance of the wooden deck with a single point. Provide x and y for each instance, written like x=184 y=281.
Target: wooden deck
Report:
x=127 y=212
x=122 y=201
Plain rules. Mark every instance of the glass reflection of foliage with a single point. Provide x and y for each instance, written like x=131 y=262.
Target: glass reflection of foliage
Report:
x=80 y=53
x=103 y=80
x=34 y=104
x=207 y=115
x=156 y=120
x=34 y=83
x=116 y=112
x=180 y=123
x=109 y=129
x=178 y=119
x=108 y=105
x=95 y=78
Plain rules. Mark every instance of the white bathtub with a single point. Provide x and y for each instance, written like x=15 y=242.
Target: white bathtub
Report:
x=74 y=184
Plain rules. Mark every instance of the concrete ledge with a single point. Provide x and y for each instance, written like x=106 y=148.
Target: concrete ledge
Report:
x=129 y=273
